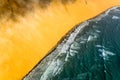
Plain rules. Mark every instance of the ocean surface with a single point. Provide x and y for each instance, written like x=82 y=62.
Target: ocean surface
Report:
x=89 y=52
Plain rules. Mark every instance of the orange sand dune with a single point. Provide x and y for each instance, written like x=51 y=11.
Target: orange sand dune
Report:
x=25 y=42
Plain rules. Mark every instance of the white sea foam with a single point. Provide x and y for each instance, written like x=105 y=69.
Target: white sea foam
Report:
x=98 y=45
x=55 y=65
x=106 y=53
x=115 y=17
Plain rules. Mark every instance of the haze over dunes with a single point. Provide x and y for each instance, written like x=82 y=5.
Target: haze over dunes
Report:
x=12 y=8
x=30 y=29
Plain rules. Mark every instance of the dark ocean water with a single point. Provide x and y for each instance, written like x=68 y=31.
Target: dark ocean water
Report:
x=90 y=52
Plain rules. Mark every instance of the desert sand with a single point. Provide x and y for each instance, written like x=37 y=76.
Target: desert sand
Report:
x=23 y=43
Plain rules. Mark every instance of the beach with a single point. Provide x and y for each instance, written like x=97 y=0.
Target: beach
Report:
x=26 y=40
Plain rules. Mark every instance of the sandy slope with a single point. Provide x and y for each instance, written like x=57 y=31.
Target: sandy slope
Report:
x=23 y=43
